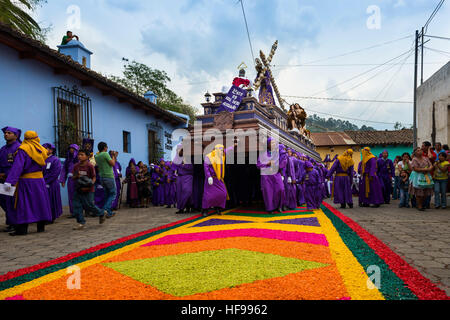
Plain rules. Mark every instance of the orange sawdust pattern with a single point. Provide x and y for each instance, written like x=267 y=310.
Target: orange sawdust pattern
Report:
x=303 y=251
x=97 y=283
x=317 y=284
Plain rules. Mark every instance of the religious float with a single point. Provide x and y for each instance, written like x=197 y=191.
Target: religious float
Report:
x=240 y=110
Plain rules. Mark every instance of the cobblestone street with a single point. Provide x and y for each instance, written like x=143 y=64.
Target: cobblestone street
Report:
x=421 y=238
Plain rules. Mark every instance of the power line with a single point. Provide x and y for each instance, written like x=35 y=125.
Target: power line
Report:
x=437 y=37
x=351 y=100
x=438 y=51
x=433 y=14
x=359 y=50
x=345 y=65
x=248 y=33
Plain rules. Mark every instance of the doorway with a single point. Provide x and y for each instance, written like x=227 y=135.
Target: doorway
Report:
x=152 y=147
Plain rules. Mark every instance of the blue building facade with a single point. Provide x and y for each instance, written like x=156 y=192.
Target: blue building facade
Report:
x=64 y=101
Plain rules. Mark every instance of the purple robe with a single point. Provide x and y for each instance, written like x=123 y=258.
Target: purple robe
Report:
x=290 y=200
x=272 y=185
x=215 y=195
x=33 y=204
x=52 y=171
x=299 y=174
x=375 y=189
x=311 y=181
x=6 y=163
x=386 y=170
x=184 y=185
x=155 y=181
x=169 y=187
x=127 y=173
x=342 y=185
x=66 y=174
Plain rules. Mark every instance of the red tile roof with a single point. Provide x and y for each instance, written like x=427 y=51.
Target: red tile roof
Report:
x=397 y=137
x=322 y=139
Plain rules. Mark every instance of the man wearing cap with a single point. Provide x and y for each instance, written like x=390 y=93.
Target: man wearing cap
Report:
x=7 y=152
x=52 y=171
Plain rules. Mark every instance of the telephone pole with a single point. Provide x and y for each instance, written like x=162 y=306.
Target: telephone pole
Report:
x=415 y=89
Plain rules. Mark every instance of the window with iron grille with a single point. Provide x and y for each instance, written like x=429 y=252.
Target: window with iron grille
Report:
x=72 y=118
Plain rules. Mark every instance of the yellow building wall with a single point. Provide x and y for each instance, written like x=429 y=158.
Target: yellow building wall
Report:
x=333 y=151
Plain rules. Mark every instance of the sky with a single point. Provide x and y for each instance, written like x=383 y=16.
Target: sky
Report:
x=327 y=48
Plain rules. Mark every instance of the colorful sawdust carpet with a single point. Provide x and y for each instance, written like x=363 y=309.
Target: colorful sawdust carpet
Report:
x=241 y=255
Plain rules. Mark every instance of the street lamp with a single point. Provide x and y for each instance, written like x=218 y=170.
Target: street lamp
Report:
x=208 y=97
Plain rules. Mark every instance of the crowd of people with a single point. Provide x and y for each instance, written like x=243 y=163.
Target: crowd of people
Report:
x=283 y=179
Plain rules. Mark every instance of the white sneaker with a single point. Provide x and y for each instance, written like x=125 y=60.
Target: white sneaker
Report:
x=79 y=227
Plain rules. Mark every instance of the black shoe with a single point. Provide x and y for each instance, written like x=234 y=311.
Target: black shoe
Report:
x=350 y=205
x=343 y=206
x=8 y=229
x=376 y=206
x=71 y=217
x=169 y=207
x=180 y=212
x=218 y=212
x=205 y=213
x=15 y=233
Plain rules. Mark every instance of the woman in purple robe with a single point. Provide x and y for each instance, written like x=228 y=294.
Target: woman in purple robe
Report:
x=290 y=182
x=311 y=182
x=343 y=169
x=184 y=182
x=169 y=186
x=66 y=173
x=386 y=170
x=271 y=163
x=31 y=201
x=99 y=194
x=12 y=137
x=52 y=171
x=215 y=193
x=370 y=186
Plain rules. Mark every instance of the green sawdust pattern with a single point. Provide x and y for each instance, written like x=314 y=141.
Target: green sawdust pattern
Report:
x=192 y=273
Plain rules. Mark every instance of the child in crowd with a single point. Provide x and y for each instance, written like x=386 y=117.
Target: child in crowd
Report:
x=132 y=185
x=84 y=177
x=143 y=182
x=440 y=181
x=404 y=186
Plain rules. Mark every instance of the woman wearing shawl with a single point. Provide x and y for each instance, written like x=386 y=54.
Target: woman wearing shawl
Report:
x=184 y=182
x=127 y=173
x=117 y=169
x=12 y=137
x=271 y=163
x=52 y=171
x=66 y=174
x=31 y=199
x=343 y=169
x=386 y=170
x=215 y=193
x=370 y=188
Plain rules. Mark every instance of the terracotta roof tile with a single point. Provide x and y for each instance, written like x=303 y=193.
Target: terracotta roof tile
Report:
x=382 y=137
x=322 y=139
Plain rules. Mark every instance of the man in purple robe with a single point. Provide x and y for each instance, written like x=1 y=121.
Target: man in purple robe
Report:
x=7 y=152
x=299 y=173
x=271 y=163
x=66 y=174
x=311 y=183
x=343 y=169
x=52 y=171
x=386 y=170
x=184 y=182
x=370 y=187
x=31 y=201
x=170 y=186
x=290 y=182
x=215 y=194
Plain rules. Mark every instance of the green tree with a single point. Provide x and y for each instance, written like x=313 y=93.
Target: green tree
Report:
x=398 y=126
x=14 y=14
x=140 y=78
